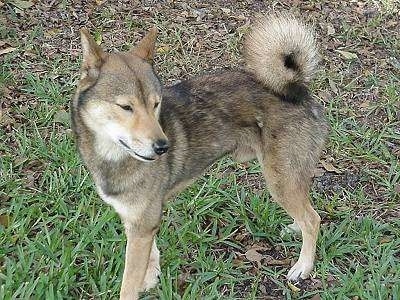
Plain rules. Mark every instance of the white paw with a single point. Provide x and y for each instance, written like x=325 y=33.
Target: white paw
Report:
x=294 y=227
x=153 y=269
x=151 y=278
x=299 y=270
x=290 y=230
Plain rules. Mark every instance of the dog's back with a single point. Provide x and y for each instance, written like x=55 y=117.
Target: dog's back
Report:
x=232 y=112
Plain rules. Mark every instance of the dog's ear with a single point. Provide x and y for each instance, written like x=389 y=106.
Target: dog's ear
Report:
x=92 y=60
x=146 y=47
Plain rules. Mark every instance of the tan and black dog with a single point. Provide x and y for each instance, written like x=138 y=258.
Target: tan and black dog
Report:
x=143 y=142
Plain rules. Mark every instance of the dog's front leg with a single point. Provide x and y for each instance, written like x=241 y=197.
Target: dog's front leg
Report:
x=138 y=247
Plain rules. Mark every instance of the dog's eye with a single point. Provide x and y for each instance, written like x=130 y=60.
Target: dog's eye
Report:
x=126 y=107
x=156 y=105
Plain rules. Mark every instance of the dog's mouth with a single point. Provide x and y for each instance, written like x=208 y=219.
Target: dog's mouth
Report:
x=131 y=151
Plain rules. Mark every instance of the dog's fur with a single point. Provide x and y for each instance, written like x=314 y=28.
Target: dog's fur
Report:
x=264 y=112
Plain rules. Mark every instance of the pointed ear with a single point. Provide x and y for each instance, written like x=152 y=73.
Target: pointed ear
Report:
x=92 y=58
x=146 y=47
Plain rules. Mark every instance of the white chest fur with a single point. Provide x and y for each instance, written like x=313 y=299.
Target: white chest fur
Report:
x=130 y=211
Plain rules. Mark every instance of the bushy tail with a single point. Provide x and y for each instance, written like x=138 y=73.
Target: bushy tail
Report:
x=281 y=51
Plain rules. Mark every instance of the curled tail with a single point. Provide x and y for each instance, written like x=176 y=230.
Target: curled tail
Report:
x=281 y=51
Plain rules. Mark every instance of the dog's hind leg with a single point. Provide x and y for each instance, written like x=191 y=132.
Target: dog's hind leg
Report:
x=290 y=188
x=308 y=221
x=153 y=268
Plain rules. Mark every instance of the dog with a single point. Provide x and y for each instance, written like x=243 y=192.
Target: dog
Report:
x=144 y=143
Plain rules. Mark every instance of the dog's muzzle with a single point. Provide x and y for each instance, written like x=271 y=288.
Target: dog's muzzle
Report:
x=160 y=147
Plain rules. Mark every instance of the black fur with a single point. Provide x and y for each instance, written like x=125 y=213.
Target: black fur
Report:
x=295 y=93
x=82 y=99
x=290 y=62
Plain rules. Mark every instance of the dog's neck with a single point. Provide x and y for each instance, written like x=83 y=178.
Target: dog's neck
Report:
x=108 y=150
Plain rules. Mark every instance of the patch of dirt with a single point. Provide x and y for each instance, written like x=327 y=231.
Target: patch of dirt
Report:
x=331 y=183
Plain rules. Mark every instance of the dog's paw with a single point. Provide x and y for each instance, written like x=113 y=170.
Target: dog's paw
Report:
x=299 y=270
x=290 y=230
x=153 y=270
x=151 y=278
x=294 y=227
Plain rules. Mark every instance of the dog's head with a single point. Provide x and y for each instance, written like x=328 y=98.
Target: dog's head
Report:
x=119 y=100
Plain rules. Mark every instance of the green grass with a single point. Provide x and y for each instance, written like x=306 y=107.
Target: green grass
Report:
x=58 y=240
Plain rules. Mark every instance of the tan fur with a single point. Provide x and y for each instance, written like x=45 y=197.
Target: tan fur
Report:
x=145 y=49
x=247 y=114
x=271 y=38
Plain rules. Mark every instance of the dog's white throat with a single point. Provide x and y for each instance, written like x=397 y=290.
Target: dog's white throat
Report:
x=108 y=149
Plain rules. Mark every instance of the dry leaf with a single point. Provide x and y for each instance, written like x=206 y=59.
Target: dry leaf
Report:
x=316 y=297
x=4 y=198
x=7 y=50
x=262 y=289
x=183 y=278
x=318 y=172
x=29 y=181
x=316 y=283
x=325 y=95
x=293 y=287
x=6 y=119
x=278 y=262
x=52 y=32
x=237 y=262
x=21 y=4
x=4 y=220
x=333 y=86
x=163 y=49
x=20 y=160
x=62 y=117
x=260 y=247
x=330 y=29
x=385 y=239
x=331 y=280
x=330 y=167
x=347 y=55
x=394 y=62
x=253 y=255
x=240 y=236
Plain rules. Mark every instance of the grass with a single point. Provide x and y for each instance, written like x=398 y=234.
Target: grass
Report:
x=58 y=240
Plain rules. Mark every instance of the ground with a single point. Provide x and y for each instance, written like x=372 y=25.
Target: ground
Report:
x=222 y=238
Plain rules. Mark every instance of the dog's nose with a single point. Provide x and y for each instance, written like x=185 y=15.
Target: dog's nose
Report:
x=160 y=147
